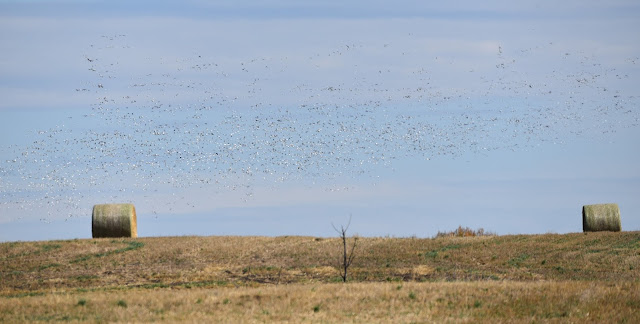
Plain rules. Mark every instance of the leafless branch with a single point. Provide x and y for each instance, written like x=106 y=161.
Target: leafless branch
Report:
x=347 y=257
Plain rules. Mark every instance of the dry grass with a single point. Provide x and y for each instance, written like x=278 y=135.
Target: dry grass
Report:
x=543 y=277
x=101 y=263
x=334 y=303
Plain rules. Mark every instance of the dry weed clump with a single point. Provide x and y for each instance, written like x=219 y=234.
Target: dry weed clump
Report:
x=465 y=232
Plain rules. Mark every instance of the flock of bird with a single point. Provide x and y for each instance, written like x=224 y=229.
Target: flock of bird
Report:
x=161 y=125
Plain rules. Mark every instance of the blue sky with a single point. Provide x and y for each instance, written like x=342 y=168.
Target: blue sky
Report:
x=281 y=118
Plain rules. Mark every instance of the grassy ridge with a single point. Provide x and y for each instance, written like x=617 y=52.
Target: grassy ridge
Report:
x=242 y=261
x=540 y=269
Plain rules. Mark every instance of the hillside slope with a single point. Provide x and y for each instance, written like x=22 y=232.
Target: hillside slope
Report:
x=585 y=278
x=28 y=267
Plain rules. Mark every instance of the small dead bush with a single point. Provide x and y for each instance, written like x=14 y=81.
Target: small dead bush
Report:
x=465 y=232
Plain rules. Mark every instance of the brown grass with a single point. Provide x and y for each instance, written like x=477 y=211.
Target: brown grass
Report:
x=407 y=302
x=545 y=277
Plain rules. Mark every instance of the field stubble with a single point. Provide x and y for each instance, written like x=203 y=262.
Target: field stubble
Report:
x=586 y=277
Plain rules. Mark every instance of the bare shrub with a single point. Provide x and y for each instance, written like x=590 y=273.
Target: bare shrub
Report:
x=465 y=232
x=347 y=257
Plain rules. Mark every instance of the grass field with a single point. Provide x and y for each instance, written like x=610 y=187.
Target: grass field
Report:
x=593 y=277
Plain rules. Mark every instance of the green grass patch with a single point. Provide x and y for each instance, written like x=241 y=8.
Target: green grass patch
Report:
x=434 y=253
x=26 y=294
x=631 y=244
x=49 y=247
x=517 y=261
x=431 y=254
x=85 y=277
x=592 y=242
x=451 y=247
x=134 y=245
x=153 y=286
x=42 y=248
x=206 y=284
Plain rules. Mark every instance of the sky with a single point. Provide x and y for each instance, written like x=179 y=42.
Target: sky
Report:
x=285 y=117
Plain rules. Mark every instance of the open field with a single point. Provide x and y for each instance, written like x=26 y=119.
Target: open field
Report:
x=523 y=278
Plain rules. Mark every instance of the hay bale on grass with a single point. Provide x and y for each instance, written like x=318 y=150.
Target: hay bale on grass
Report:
x=114 y=220
x=601 y=217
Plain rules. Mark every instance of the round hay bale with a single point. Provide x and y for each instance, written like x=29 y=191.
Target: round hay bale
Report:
x=601 y=217
x=114 y=220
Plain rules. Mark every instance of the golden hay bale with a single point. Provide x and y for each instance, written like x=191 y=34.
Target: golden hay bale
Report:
x=601 y=217
x=114 y=220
